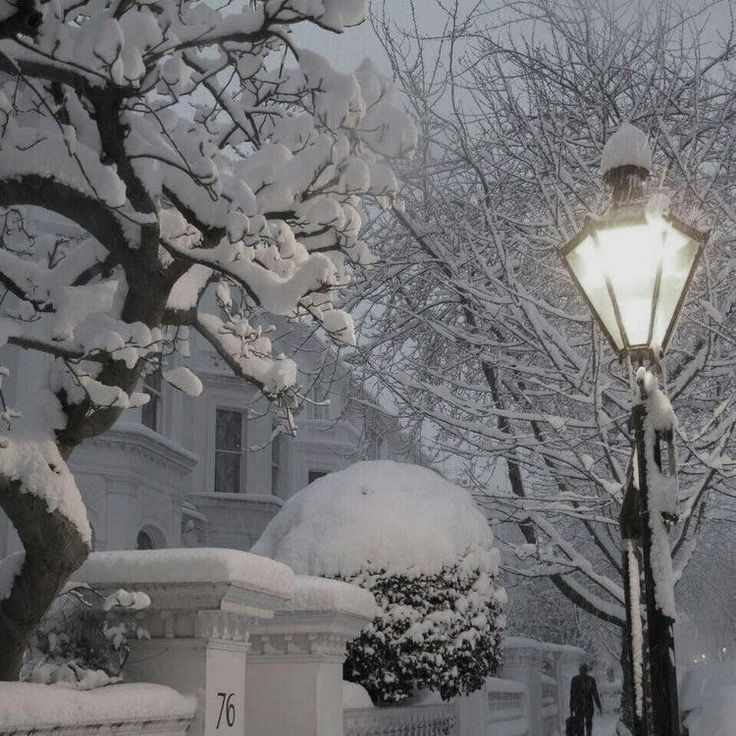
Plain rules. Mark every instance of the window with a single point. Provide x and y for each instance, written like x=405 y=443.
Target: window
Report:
x=374 y=448
x=229 y=445
x=374 y=442
x=276 y=461
x=144 y=541
x=151 y=411
x=316 y=474
x=319 y=409
x=150 y=537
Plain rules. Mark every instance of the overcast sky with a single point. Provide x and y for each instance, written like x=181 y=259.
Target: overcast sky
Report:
x=347 y=50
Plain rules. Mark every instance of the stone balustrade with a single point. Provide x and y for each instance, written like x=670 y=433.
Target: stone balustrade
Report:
x=505 y=700
x=550 y=706
x=409 y=720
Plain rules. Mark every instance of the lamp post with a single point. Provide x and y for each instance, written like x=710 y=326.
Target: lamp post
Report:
x=634 y=267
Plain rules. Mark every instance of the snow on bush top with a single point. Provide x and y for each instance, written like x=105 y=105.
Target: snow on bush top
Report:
x=628 y=146
x=400 y=518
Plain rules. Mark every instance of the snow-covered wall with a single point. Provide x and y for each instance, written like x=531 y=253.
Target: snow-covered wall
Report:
x=41 y=710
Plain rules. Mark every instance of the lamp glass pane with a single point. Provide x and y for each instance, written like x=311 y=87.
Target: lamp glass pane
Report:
x=631 y=256
x=679 y=259
x=585 y=262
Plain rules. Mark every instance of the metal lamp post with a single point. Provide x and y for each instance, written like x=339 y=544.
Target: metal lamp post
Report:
x=634 y=267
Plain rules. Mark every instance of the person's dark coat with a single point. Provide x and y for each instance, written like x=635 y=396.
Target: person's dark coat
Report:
x=583 y=696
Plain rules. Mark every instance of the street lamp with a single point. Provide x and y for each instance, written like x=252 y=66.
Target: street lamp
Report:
x=634 y=266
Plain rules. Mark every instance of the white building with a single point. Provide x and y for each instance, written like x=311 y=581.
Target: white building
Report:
x=212 y=470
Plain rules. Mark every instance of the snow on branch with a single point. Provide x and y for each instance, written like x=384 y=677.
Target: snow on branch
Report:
x=479 y=335
x=154 y=152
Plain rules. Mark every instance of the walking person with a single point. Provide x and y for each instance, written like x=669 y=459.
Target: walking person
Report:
x=583 y=694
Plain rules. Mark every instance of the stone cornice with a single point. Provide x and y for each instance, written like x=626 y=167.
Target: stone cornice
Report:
x=224 y=379
x=326 y=428
x=208 y=498
x=305 y=634
x=138 y=440
x=223 y=626
x=299 y=645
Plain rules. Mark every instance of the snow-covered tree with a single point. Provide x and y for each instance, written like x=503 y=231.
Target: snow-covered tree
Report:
x=488 y=351
x=424 y=549
x=196 y=146
x=19 y=16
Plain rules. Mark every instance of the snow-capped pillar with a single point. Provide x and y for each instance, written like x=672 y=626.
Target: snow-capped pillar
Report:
x=294 y=678
x=203 y=605
x=522 y=661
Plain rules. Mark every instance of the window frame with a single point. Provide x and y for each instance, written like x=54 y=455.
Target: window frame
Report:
x=276 y=464
x=155 y=402
x=316 y=410
x=319 y=474
x=241 y=453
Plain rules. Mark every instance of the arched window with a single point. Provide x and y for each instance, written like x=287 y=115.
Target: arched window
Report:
x=149 y=537
x=144 y=541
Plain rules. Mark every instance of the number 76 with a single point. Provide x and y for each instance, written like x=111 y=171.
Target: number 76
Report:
x=226 y=707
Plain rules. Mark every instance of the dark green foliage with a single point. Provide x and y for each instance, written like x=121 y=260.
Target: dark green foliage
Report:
x=440 y=632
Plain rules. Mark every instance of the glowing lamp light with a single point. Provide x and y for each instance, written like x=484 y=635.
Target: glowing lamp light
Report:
x=634 y=269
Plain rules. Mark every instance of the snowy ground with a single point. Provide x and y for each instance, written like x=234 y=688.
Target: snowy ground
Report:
x=605 y=725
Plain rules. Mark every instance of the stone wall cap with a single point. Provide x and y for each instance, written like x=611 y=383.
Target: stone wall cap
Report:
x=501 y=685
x=523 y=642
x=30 y=706
x=198 y=565
x=322 y=594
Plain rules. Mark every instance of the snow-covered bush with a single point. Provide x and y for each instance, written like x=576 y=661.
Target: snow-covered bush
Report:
x=425 y=551
x=440 y=632
x=76 y=642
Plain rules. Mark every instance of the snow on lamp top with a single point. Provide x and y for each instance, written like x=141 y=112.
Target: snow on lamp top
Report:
x=628 y=146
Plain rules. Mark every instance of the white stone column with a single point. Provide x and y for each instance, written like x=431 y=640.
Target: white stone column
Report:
x=522 y=661
x=203 y=603
x=294 y=677
x=472 y=713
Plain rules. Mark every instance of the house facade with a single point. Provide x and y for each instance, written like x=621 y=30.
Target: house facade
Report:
x=213 y=470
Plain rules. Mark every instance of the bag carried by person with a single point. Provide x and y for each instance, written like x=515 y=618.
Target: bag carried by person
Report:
x=570 y=729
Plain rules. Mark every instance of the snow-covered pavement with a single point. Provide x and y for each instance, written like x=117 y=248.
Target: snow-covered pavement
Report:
x=606 y=725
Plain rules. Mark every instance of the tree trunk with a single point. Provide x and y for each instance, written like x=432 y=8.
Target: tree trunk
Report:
x=25 y=20
x=627 y=704
x=54 y=549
